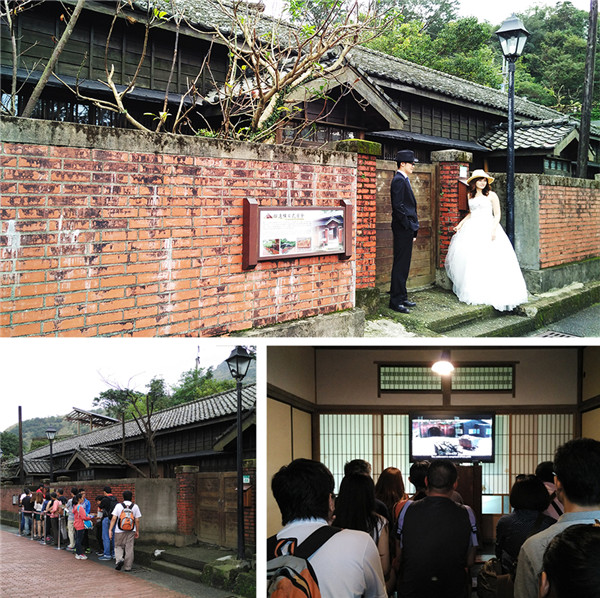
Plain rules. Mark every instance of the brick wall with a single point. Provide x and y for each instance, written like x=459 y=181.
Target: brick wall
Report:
x=569 y=224
x=114 y=232
x=366 y=215
x=450 y=163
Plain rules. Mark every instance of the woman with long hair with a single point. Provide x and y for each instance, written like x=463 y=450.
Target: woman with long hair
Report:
x=481 y=262
x=390 y=490
x=355 y=509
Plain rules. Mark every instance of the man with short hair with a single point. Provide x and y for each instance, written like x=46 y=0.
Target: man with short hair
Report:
x=27 y=512
x=405 y=225
x=124 y=539
x=107 y=505
x=347 y=563
x=577 y=479
x=437 y=539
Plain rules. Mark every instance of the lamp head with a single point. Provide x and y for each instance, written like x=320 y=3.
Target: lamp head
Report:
x=512 y=35
x=238 y=363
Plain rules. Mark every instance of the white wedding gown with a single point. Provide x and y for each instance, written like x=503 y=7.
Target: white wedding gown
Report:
x=482 y=270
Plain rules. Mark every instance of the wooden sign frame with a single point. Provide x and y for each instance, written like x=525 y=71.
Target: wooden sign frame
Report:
x=279 y=233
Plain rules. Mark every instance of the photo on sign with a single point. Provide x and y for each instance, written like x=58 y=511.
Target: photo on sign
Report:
x=296 y=232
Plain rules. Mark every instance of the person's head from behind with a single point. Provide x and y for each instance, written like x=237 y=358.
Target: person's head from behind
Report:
x=577 y=471
x=107 y=490
x=79 y=497
x=529 y=492
x=545 y=471
x=355 y=503
x=390 y=486
x=571 y=564
x=303 y=490
x=127 y=495
x=441 y=476
x=357 y=466
x=74 y=491
x=418 y=473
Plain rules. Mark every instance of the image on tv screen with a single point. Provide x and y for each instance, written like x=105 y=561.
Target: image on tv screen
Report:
x=457 y=438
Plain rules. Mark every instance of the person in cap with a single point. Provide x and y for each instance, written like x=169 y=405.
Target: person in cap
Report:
x=405 y=225
x=481 y=261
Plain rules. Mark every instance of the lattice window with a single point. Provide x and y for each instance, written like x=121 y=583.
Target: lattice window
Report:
x=522 y=441
x=409 y=378
x=465 y=378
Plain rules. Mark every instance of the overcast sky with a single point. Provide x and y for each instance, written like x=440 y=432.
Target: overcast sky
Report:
x=51 y=376
x=494 y=12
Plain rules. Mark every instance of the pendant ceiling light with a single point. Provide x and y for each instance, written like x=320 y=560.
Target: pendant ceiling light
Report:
x=443 y=366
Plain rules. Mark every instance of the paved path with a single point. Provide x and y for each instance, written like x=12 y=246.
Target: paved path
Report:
x=26 y=564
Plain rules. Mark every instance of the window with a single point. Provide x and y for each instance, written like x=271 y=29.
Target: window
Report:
x=466 y=378
x=522 y=441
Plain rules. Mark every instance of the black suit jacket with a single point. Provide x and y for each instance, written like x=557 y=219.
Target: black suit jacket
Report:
x=404 y=204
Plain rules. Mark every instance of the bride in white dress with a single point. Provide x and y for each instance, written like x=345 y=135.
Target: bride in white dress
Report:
x=481 y=261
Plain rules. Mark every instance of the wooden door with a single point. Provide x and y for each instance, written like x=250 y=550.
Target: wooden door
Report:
x=216 y=510
x=424 y=185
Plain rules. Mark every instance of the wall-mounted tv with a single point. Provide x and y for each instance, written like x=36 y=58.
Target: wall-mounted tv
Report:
x=462 y=438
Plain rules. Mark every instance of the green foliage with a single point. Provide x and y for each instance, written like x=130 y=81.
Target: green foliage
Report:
x=197 y=383
x=555 y=54
x=9 y=443
x=447 y=52
x=431 y=15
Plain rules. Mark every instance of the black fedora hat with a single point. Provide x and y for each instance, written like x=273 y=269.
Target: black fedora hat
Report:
x=405 y=156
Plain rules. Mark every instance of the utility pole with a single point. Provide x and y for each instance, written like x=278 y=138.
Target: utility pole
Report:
x=588 y=91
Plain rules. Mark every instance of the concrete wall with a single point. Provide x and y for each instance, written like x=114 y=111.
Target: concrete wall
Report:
x=348 y=377
x=118 y=232
x=557 y=229
x=290 y=437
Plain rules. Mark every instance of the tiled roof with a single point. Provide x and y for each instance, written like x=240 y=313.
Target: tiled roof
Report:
x=531 y=134
x=218 y=406
x=384 y=67
x=98 y=456
x=207 y=15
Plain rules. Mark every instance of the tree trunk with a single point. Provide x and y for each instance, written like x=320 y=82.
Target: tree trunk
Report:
x=37 y=91
x=588 y=90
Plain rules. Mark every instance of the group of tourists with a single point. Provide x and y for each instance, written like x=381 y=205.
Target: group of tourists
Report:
x=56 y=520
x=375 y=541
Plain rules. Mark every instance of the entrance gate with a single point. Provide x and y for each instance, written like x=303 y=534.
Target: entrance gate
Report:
x=216 y=510
x=424 y=185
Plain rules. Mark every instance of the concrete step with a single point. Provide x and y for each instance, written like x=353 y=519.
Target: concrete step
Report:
x=191 y=573
x=182 y=560
x=499 y=326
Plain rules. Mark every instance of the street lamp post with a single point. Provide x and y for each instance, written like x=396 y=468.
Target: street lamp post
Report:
x=51 y=435
x=238 y=363
x=512 y=35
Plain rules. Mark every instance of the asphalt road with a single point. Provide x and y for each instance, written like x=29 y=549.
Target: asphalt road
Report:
x=585 y=323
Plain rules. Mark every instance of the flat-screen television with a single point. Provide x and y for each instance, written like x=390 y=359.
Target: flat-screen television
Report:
x=465 y=438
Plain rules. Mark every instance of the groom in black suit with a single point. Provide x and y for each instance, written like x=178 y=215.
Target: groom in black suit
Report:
x=405 y=225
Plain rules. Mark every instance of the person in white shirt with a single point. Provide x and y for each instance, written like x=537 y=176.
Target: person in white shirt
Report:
x=577 y=478
x=124 y=538
x=347 y=565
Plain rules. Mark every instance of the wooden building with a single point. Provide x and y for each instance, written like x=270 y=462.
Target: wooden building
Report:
x=200 y=433
x=373 y=96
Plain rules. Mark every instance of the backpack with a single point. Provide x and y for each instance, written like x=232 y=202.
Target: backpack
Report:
x=113 y=502
x=291 y=575
x=126 y=519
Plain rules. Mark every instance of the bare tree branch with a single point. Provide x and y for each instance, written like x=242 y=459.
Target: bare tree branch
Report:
x=37 y=91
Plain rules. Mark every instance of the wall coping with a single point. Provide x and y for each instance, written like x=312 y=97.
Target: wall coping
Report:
x=63 y=134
